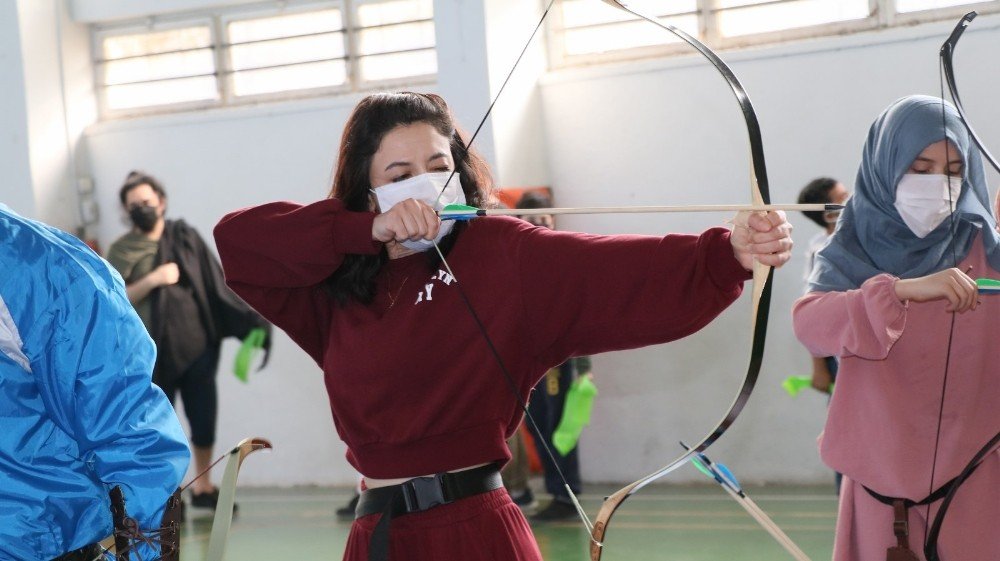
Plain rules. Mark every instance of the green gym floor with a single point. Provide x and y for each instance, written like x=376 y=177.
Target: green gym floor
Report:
x=676 y=523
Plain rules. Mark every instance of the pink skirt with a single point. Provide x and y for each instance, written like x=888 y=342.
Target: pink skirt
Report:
x=486 y=527
x=971 y=529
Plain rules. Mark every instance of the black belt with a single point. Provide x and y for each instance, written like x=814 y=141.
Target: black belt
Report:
x=901 y=524
x=420 y=494
x=941 y=492
x=85 y=553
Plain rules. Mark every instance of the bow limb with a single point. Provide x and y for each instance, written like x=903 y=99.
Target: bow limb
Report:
x=947 y=54
x=947 y=67
x=761 y=294
x=227 y=495
x=760 y=305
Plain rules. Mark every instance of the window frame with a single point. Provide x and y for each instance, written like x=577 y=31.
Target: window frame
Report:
x=227 y=73
x=355 y=69
x=100 y=87
x=217 y=21
x=882 y=14
x=937 y=14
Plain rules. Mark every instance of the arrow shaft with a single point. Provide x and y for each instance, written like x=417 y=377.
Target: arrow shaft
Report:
x=725 y=478
x=765 y=522
x=446 y=214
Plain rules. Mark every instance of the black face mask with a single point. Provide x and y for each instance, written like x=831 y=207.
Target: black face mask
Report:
x=144 y=217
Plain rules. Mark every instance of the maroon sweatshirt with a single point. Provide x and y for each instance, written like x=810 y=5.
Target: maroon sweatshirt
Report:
x=413 y=387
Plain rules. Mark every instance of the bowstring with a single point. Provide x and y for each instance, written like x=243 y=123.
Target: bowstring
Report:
x=952 y=227
x=946 y=61
x=517 y=396
x=205 y=471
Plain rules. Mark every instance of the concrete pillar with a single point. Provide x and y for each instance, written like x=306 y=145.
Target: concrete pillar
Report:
x=48 y=100
x=478 y=42
x=15 y=169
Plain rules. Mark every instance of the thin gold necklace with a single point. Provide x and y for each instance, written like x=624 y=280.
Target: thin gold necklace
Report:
x=388 y=290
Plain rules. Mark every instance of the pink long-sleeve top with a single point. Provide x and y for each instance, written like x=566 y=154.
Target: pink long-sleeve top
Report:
x=884 y=414
x=412 y=384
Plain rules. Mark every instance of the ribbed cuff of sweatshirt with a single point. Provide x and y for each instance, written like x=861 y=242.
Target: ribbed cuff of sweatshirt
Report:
x=723 y=267
x=352 y=233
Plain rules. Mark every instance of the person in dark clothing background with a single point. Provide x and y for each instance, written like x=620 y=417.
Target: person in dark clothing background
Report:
x=548 y=401
x=176 y=285
x=823 y=190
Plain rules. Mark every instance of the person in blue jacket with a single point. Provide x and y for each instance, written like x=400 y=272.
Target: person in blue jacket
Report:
x=79 y=412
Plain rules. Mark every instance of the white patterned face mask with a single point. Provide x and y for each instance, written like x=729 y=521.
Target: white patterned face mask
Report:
x=425 y=188
x=923 y=200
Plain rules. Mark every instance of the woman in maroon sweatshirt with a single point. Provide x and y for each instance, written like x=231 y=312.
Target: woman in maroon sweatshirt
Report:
x=414 y=387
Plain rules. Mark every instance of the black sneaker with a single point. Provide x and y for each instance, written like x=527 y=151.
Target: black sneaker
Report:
x=523 y=499
x=208 y=500
x=347 y=511
x=558 y=509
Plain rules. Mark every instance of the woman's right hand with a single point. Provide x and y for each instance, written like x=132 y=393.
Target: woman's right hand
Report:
x=407 y=220
x=958 y=288
x=167 y=274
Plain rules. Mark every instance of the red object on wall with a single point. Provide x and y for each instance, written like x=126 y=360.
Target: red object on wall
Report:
x=508 y=196
x=534 y=462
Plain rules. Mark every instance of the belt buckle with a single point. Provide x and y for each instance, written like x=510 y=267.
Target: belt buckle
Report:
x=422 y=493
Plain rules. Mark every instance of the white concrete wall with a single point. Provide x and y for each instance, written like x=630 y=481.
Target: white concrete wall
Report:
x=15 y=187
x=101 y=11
x=57 y=69
x=48 y=101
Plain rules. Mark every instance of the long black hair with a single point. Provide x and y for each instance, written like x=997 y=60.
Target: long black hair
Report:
x=374 y=117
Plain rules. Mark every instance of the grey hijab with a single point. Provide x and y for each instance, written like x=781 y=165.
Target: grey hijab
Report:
x=871 y=238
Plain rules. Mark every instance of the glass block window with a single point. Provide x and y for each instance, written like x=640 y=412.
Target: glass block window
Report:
x=588 y=31
x=395 y=39
x=158 y=68
x=239 y=54
x=287 y=53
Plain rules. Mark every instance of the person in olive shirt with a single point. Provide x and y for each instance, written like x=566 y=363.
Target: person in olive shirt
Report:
x=176 y=285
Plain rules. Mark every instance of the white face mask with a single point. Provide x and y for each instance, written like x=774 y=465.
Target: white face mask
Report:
x=922 y=200
x=426 y=188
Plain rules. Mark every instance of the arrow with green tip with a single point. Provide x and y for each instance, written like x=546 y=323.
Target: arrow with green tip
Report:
x=465 y=212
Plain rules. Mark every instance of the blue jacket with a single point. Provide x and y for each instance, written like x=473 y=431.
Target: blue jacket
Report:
x=78 y=411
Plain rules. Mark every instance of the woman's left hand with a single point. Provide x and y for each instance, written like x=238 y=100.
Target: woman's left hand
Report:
x=763 y=237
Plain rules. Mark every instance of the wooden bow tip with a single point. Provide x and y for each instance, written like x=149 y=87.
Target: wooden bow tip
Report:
x=251 y=445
